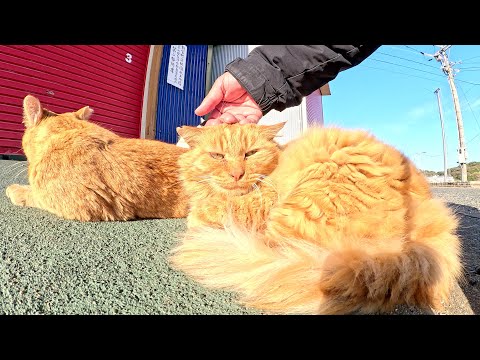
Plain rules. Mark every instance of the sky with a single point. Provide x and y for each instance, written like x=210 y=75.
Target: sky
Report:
x=392 y=94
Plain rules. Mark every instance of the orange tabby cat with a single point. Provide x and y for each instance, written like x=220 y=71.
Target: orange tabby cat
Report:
x=336 y=223
x=80 y=170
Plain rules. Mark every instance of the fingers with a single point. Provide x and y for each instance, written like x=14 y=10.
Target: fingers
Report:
x=214 y=97
x=229 y=118
x=232 y=120
x=217 y=118
x=225 y=118
x=248 y=121
x=213 y=122
x=253 y=118
x=228 y=103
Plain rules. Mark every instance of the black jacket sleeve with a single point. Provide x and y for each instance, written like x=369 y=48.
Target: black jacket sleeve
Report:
x=279 y=76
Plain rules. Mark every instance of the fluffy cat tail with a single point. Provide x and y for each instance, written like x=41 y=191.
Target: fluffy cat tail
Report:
x=301 y=277
x=268 y=278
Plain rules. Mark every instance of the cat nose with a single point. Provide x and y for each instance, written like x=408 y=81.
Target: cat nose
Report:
x=237 y=174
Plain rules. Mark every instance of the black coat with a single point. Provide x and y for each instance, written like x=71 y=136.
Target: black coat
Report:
x=279 y=76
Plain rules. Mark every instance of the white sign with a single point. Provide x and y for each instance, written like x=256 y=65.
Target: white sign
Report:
x=176 y=65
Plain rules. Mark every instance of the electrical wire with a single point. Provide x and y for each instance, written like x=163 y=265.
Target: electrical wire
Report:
x=468 y=102
x=474 y=57
x=408 y=67
x=428 y=72
x=399 y=57
x=398 y=72
x=413 y=49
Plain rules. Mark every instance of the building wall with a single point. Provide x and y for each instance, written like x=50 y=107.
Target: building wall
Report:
x=108 y=78
x=224 y=54
x=298 y=118
x=176 y=106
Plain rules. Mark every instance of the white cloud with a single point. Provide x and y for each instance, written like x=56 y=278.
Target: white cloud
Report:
x=474 y=104
x=421 y=111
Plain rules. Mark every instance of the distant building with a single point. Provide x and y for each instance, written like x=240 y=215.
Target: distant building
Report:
x=439 y=179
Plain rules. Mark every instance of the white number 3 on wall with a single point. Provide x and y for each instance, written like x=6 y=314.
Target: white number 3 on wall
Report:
x=128 y=58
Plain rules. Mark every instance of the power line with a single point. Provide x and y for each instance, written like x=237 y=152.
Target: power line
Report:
x=398 y=72
x=413 y=49
x=468 y=82
x=464 y=94
x=473 y=137
x=468 y=89
x=468 y=68
x=397 y=48
x=474 y=57
x=408 y=67
x=399 y=57
x=468 y=102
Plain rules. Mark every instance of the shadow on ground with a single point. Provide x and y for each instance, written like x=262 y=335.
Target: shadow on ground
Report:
x=469 y=232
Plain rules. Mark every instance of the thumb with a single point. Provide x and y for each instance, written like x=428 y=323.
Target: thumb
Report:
x=214 y=97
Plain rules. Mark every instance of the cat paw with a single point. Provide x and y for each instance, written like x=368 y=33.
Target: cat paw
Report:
x=17 y=194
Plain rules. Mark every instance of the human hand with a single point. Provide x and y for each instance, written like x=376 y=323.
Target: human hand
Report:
x=229 y=103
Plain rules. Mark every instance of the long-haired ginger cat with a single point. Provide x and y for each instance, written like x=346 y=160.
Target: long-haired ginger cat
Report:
x=79 y=170
x=337 y=222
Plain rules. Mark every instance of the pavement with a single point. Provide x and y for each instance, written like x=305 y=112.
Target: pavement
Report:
x=49 y=265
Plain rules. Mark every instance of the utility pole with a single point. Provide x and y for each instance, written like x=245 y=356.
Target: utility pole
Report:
x=441 y=56
x=443 y=137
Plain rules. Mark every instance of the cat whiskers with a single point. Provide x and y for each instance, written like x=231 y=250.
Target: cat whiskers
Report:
x=264 y=179
x=205 y=179
x=256 y=188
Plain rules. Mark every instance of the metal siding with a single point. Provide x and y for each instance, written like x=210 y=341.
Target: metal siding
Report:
x=68 y=77
x=175 y=107
x=224 y=54
x=294 y=122
x=294 y=117
x=314 y=109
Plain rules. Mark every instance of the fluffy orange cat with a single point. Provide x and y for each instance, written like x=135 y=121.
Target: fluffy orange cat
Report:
x=82 y=171
x=337 y=222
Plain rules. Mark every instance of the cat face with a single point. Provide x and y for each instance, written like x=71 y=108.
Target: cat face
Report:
x=41 y=123
x=229 y=159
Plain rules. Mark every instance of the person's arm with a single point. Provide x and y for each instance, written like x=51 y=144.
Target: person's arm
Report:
x=279 y=76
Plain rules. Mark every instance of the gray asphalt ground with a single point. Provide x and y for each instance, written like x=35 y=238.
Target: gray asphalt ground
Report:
x=53 y=266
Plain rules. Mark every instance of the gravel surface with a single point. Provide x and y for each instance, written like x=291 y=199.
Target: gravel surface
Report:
x=465 y=298
x=52 y=266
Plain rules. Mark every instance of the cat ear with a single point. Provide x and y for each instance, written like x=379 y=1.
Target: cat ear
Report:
x=270 y=131
x=189 y=134
x=32 y=111
x=84 y=113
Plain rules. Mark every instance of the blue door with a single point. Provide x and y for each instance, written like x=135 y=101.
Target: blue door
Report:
x=176 y=106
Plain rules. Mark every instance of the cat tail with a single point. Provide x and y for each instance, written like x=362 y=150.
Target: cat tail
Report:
x=301 y=277
x=268 y=278
x=420 y=273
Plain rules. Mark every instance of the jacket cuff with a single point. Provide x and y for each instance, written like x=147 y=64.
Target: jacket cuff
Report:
x=263 y=87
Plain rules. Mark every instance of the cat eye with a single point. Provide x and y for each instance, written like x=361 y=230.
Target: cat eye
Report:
x=250 y=153
x=217 y=156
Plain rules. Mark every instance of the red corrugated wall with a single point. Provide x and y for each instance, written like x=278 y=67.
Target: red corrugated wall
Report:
x=108 y=78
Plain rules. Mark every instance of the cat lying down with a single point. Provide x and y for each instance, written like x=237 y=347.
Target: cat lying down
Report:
x=336 y=223
x=82 y=171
